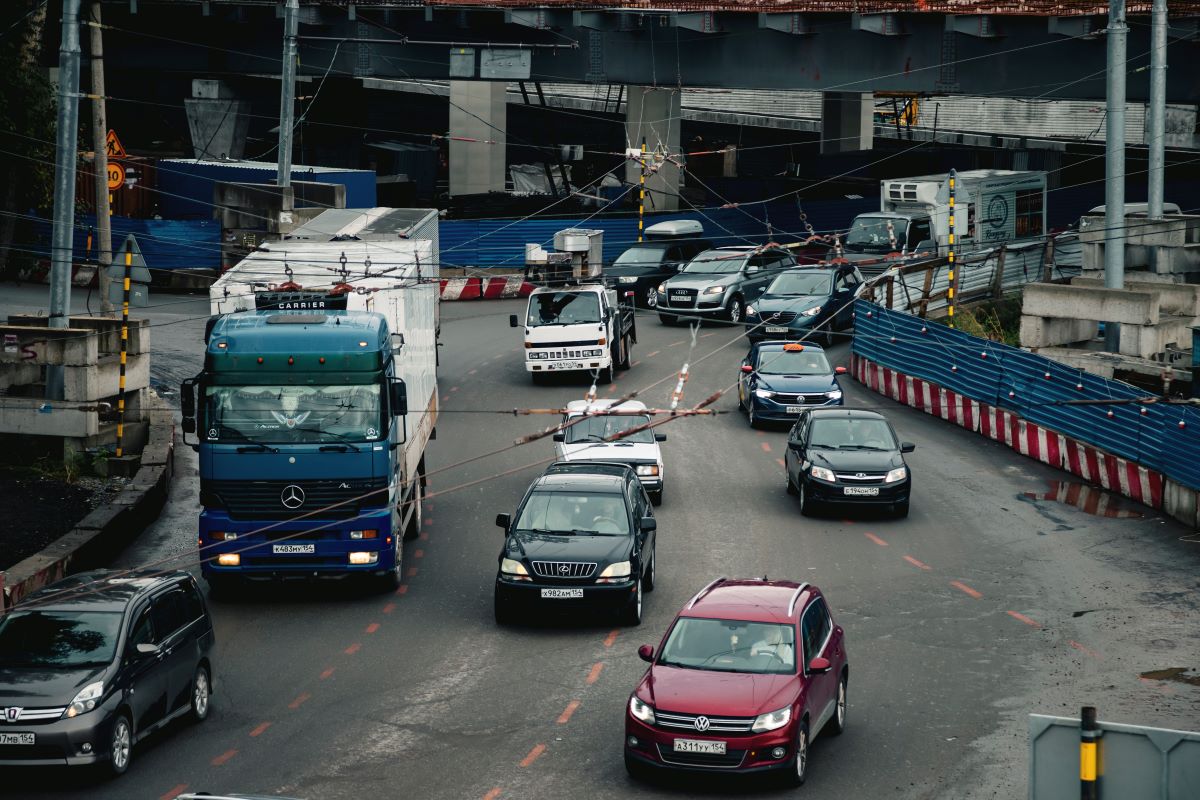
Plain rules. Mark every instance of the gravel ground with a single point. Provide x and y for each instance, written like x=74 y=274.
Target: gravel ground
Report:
x=37 y=510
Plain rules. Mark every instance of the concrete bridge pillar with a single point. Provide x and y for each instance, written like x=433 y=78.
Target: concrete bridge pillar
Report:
x=847 y=121
x=654 y=114
x=479 y=125
x=217 y=120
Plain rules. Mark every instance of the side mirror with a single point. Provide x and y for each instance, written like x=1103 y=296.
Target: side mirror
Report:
x=907 y=447
x=839 y=370
x=660 y=437
x=512 y=321
x=819 y=666
x=646 y=652
x=504 y=520
x=147 y=649
x=746 y=368
x=649 y=524
x=560 y=437
x=750 y=270
x=398 y=394
x=187 y=405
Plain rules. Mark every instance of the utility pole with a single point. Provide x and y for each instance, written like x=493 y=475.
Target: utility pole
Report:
x=1114 y=165
x=62 y=236
x=99 y=144
x=1158 y=106
x=287 y=94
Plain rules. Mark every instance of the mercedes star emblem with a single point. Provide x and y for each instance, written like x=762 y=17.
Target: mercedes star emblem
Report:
x=701 y=724
x=292 y=496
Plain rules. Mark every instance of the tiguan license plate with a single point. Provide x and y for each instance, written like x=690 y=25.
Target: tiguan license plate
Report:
x=699 y=746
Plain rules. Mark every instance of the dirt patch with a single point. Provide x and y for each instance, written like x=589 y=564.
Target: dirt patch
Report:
x=38 y=509
x=1181 y=674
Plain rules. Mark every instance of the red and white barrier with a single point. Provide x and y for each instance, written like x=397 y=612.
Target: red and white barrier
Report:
x=485 y=288
x=1092 y=464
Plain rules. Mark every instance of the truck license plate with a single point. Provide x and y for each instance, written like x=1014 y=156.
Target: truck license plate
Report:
x=565 y=365
x=18 y=738
x=560 y=594
x=699 y=746
x=293 y=549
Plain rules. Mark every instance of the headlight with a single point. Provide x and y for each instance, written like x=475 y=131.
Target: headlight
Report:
x=641 y=711
x=772 y=721
x=836 y=394
x=751 y=311
x=535 y=355
x=86 y=700
x=647 y=470
x=662 y=288
x=627 y=279
x=765 y=394
x=615 y=573
x=513 y=570
x=593 y=353
x=715 y=290
x=812 y=312
x=822 y=474
x=898 y=474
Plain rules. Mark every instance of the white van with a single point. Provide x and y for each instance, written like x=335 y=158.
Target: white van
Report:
x=586 y=440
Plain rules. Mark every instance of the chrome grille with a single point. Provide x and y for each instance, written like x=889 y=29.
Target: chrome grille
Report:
x=28 y=715
x=800 y=399
x=563 y=569
x=322 y=499
x=687 y=722
x=779 y=316
x=861 y=477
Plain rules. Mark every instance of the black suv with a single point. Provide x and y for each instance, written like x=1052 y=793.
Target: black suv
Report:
x=583 y=537
x=91 y=665
x=644 y=266
x=720 y=283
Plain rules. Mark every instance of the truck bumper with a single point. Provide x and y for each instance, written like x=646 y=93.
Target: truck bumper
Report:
x=569 y=365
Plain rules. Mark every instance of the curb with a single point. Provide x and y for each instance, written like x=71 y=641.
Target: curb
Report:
x=1093 y=465
x=107 y=529
x=500 y=288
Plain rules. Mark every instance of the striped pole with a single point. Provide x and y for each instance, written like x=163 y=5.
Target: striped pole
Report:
x=952 y=290
x=642 y=192
x=124 y=349
x=1089 y=734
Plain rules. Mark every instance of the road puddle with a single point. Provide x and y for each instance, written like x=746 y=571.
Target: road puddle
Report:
x=1088 y=499
x=1180 y=674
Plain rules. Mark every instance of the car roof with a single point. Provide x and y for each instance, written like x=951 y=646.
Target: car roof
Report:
x=771 y=344
x=851 y=413
x=99 y=590
x=602 y=404
x=585 y=476
x=751 y=600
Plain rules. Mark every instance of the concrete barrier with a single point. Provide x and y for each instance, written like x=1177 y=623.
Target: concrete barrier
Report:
x=489 y=288
x=1086 y=302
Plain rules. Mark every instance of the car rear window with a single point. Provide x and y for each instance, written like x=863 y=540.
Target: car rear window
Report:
x=603 y=426
x=58 y=638
x=721 y=645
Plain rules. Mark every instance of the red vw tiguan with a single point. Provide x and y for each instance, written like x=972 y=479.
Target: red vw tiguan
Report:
x=747 y=676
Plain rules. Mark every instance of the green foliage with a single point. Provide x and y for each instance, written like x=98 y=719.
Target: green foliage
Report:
x=998 y=321
x=27 y=106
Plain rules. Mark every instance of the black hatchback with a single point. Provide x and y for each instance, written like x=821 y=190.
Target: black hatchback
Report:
x=582 y=538
x=93 y=664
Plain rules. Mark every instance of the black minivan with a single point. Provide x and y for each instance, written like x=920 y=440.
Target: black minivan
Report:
x=91 y=665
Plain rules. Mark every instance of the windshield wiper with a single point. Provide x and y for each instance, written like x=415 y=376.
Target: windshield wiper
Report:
x=545 y=532
x=859 y=447
x=253 y=446
x=340 y=437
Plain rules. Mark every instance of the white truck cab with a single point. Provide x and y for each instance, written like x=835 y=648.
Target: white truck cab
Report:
x=585 y=440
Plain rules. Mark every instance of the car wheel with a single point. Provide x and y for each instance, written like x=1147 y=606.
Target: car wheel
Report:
x=753 y=420
x=666 y=319
x=504 y=614
x=651 y=299
x=648 y=578
x=120 y=745
x=625 y=359
x=635 y=768
x=741 y=400
x=838 y=724
x=633 y=611
x=736 y=312
x=900 y=510
x=605 y=375
x=807 y=505
x=656 y=498
x=799 y=771
x=222 y=587
x=791 y=487
x=539 y=378
x=393 y=577
x=201 y=693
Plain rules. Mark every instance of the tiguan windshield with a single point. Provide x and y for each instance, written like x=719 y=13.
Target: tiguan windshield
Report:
x=564 y=308
x=871 y=235
x=724 y=645
x=292 y=414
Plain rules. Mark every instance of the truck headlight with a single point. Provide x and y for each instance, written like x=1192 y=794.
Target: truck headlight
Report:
x=644 y=712
x=812 y=312
x=765 y=394
x=534 y=355
x=772 y=721
x=362 y=559
x=86 y=700
x=616 y=573
x=647 y=470
x=715 y=290
x=898 y=474
x=820 y=473
x=627 y=279
x=514 y=570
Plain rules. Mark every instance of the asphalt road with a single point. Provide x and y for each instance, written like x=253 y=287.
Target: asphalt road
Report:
x=985 y=605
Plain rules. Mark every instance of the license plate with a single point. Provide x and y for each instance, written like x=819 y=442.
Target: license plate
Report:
x=565 y=365
x=293 y=549
x=699 y=746
x=18 y=738
x=561 y=594
x=868 y=491
x=793 y=409
x=776 y=329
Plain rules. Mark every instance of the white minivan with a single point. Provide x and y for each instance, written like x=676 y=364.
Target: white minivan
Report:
x=588 y=440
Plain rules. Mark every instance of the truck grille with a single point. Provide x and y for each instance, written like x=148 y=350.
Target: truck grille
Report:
x=276 y=500
x=563 y=569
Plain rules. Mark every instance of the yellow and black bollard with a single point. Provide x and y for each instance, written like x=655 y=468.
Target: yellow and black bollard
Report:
x=1089 y=743
x=124 y=348
x=642 y=192
x=952 y=289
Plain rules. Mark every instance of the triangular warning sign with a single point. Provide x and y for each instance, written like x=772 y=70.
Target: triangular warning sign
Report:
x=138 y=272
x=113 y=146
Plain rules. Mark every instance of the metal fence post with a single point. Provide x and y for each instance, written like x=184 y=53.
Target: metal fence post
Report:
x=952 y=290
x=124 y=348
x=1089 y=733
x=642 y=191
x=998 y=278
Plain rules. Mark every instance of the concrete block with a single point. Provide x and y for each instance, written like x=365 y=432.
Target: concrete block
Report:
x=1181 y=503
x=21 y=415
x=1081 y=302
x=1146 y=341
x=1051 y=332
x=1178 y=299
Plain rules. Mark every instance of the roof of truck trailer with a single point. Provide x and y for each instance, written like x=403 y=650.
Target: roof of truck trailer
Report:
x=972 y=174
x=298 y=332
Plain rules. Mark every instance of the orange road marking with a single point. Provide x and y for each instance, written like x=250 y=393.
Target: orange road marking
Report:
x=1023 y=618
x=594 y=674
x=876 y=539
x=966 y=589
x=221 y=759
x=917 y=564
x=565 y=717
x=533 y=755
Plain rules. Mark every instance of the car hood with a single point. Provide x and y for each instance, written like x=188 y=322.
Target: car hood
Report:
x=857 y=460
x=700 y=281
x=39 y=687
x=624 y=453
x=798 y=384
x=569 y=547
x=635 y=268
x=736 y=694
x=778 y=302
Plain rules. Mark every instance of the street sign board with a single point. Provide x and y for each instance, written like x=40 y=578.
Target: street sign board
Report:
x=139 y=294
x=116 y=176
x=138 y=271
x=113 y=146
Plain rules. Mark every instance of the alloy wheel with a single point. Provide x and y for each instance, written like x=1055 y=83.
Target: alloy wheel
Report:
x=122 y=744
x=201 y=692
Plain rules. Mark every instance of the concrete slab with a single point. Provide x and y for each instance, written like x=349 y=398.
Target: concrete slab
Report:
x=1051 y=332
x=1082 y=302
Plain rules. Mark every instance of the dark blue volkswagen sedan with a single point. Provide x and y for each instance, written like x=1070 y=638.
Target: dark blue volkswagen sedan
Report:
x=810 y=302
x=779 y=380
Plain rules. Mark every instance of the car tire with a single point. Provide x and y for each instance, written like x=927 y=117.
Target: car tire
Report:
x=741 y=402
x=632 y=615
x=649 y=575
x=201 y=693
x=799 y=763
x=390 y=580
x=837 y=723
x=807 y=504
x=753 y=420
x=624 y=363
x=736 y=313
x=222 y=587
x=656 y=498
x=120 y=743
x=667 y=319
x=900 y=510
x=605 y=375
x=651 y=299
x=539 y=378
x=791 y=487
x=636 y=769
x=503 y=611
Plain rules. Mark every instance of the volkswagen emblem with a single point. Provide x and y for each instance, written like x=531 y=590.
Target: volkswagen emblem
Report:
x=701 y=724
x=564 y=569
x=860 y=474
x=292 y=496
x=12 y=714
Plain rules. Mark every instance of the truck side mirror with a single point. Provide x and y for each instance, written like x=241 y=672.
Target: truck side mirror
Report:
x=512 y=321
x=187 y=404
x=398 y=395
x=559 y=437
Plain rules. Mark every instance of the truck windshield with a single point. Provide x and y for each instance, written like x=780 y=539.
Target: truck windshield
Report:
x=293 y=414
x=563 y=308
x=716 y=262
x=870 y=235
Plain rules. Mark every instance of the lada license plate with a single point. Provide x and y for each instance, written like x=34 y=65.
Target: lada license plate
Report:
x=561 y=594
x=776 y=329
x=794 y=409
x=699 y=746
x=565 y=365
x=293 y=549
x=867 y=491
x=18 y=738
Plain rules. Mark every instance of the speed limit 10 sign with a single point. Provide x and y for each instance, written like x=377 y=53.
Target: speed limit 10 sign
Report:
x=116 y=176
